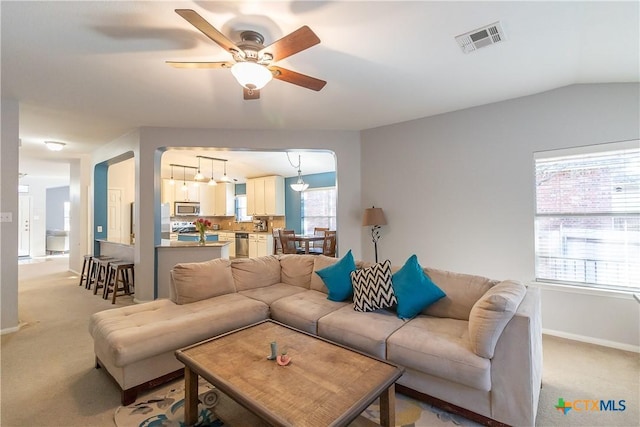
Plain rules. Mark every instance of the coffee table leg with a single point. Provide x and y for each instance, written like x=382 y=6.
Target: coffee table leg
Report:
x=388 y=407
x=190 y=397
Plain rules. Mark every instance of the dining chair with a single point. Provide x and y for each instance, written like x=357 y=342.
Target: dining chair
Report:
x=329 y=244
x=289 y=245
x=277 y=243
x=318 y=231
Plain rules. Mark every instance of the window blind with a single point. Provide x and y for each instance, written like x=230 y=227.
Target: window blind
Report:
x=587 y=224
x=318 y=209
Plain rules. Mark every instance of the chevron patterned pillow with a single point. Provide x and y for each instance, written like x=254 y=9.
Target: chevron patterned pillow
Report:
x=372 y=287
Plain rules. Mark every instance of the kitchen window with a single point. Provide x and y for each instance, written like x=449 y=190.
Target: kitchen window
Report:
x=587 y=223
x=241 y=208
x=318 y=209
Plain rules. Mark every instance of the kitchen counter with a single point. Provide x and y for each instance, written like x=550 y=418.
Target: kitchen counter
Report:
x=170 y=253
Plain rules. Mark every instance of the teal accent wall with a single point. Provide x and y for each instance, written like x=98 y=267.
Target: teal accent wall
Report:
x=100 y=198
x=292 y=200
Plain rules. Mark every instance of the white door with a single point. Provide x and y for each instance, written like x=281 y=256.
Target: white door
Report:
x=114 y=215
x=24 y=227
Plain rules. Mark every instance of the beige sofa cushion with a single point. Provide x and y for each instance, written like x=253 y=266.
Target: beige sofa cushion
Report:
x=296 y=270
x=320 y=262
x=195 y=281
x=490 y=315
x=462 y=291
x=439 y=347
x=251 y=273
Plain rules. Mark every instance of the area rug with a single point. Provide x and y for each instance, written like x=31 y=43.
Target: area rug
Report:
x=165 y=408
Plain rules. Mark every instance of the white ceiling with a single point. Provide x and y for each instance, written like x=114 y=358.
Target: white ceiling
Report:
x=87 y=72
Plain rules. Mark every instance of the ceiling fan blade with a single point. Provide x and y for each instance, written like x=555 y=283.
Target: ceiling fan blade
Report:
x=297 y=78
x=178 y=64
x=251 y=93
x=301 y=39
x=208 y=30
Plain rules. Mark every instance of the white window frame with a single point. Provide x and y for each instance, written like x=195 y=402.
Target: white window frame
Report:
x=558 y=264
x=332 y=218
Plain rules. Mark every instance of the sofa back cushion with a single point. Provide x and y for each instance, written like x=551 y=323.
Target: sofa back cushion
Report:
x=195 y=281
x=491 y=313
x=296 y=270
x=251 y=273
x=462 y=291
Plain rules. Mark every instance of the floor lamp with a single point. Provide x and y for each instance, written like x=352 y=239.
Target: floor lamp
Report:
x=374 y=217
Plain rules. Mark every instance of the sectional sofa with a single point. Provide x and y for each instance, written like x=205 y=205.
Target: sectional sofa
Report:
x=477 y=351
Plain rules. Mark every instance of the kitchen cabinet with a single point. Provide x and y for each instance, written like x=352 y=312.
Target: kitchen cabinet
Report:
x=265 y=196
x=207 y=200
x=225 y=193
x=168 y=195
x=190 y=194
x=260 y=245
x=231 y=238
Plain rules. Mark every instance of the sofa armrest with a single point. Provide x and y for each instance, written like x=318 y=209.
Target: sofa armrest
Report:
x=516 y=368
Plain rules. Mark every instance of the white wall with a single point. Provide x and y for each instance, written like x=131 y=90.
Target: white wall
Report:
x=9 y=124
x=458 y=190
x=149 y=143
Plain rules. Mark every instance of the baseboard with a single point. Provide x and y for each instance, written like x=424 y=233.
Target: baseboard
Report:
x=592 y=340
x=9 y=330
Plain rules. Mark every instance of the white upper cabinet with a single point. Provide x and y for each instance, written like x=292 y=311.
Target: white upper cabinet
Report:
x=207 y=200
x=225 y=193
x=265 y=196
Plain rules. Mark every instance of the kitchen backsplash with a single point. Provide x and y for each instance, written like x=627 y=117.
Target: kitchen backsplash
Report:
x=229 y=223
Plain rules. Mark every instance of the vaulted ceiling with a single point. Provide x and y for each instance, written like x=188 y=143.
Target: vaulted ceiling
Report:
x=87 y=72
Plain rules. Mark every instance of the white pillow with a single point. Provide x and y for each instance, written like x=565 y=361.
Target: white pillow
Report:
x=372 y=288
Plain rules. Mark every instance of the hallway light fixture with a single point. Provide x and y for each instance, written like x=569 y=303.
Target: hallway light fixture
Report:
x=54 y=145
x=299 y=185
x=374 y=217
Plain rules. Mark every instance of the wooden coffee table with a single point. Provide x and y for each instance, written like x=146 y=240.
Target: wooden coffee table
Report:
x=325 y=384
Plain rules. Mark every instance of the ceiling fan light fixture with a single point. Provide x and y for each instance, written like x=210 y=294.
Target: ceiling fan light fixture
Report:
x=251 y=75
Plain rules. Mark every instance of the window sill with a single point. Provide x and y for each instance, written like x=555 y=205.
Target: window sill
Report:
x=584 y=291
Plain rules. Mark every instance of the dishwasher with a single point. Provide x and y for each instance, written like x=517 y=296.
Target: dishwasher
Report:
x=242 y=245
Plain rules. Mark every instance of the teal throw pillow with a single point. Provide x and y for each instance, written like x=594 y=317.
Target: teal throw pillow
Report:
x=413 y=289
x=337 y=277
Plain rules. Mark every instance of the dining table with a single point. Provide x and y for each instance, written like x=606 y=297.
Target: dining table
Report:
x=306 y=239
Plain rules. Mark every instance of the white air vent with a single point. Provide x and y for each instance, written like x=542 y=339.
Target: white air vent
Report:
x=482 y=37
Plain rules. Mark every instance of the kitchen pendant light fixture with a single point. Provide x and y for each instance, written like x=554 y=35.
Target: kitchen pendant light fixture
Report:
x=299 y=185
x=212 y=181
x=184 y=180
x=225 y=178
x=172 y=181
x=198 y=176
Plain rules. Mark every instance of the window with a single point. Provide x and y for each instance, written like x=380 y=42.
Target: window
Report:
x=587 y=224
x=67 y=216
x=318 y=209
x=241 y=208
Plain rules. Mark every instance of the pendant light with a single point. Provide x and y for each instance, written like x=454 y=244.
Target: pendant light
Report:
x=198 y=176
x=225 y=178
x=184 y=180
x=172 y=181
x=299 y=185
x=212 y=181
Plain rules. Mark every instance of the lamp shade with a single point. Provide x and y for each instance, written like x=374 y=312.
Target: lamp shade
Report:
x=251 y=75
x=373 y=216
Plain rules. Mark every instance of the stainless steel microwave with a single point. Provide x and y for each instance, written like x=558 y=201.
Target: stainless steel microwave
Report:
x=186 y=208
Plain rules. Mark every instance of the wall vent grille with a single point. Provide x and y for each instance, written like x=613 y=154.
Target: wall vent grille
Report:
x=481 y=37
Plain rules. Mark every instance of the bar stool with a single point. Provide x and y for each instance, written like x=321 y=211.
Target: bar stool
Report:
x=86 y=267
x=93 y=270
x=101 y=270
x=119 y=273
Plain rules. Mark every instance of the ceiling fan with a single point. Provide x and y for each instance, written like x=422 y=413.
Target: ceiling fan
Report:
x=253 y=62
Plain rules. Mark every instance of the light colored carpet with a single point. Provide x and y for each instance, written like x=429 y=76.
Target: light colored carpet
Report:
x=48 y=376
